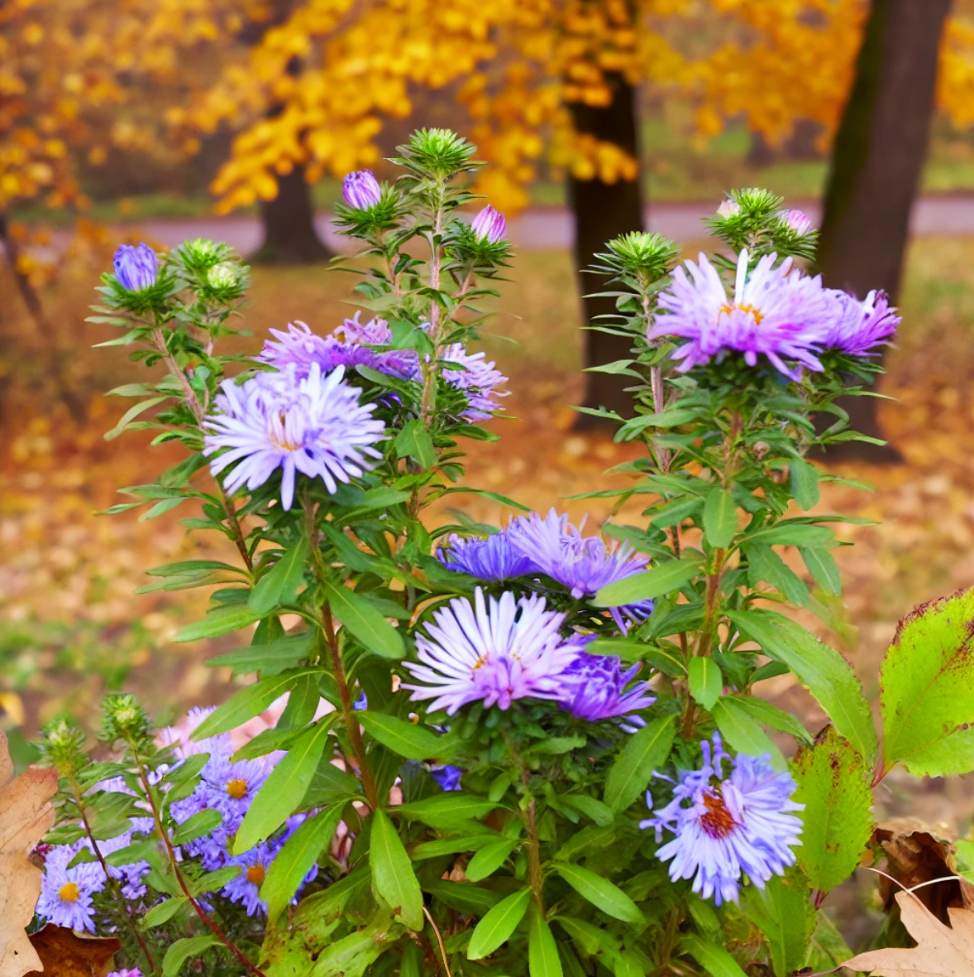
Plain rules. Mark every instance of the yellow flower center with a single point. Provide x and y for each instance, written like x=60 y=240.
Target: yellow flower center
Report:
x=480 y=662
x=757 y=313
x=69 y=892
x=255 y=874
x=237 y=789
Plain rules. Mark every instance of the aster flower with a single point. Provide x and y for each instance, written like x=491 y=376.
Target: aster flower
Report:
x=858 y=327
x=583 y=564
x=131 y=876
x=133 y=972
x=489 y=225
x=245 y=887
x=478 y=379
x=136 y=268
x=447 y=776
x=730 y=828
x=593 y=687
x=797 y=221
x=774 y=312
x=230 y=787
x=492 y=558
x=361 y=189
x=315 y=426
x=66 y=893
x=492 y=650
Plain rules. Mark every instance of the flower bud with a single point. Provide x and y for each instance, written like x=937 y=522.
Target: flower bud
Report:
x=729 y=208
x=136 y=268
x=123 y=718
x=223 y=275
x=361 y=189
x=797 y=221
x=489 y=225
x=63 y=745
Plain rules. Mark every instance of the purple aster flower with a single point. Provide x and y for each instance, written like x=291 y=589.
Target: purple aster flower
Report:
x=447 y=776
x=797 y=221
x=492 y=558
x=728 y=828
x=180 y=736
x=858 y=327
x=375 y=332
x=489 y=225
x=493 y=650
x=245 y=888
x=136 y=268
x=478 y=379
x=594 y=687
x=583 y=564
x=66 y=893
x=775 y=312
x=361 y=189
x=230 y=787
x=133 y=972
x=315 y=426
x=131 y=876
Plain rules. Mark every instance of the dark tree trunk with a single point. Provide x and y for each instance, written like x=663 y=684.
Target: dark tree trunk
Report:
x=290 y=237
x=603 y=211
x=876 y=162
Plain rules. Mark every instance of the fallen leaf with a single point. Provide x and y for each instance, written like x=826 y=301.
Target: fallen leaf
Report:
x=64 y=953
x=941 y=951
x=25 y=815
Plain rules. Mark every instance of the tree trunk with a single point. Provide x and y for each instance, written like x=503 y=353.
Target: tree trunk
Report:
x=290 y=237
x=878 y=154
x=603 y=211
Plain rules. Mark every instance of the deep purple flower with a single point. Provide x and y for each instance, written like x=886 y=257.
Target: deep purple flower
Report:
x=797 y=221
x=245 y=887
x=492 y=650
x=361 y=189
x=478 y=379
x=856 y=328
x=315 y=426
x=489 y=225
x=728 y=828
x=491 y=558
x=775 y=312
x=131 y=876
x=447 y=776
x=594 y=688
x=66 y=893
x=136 y=268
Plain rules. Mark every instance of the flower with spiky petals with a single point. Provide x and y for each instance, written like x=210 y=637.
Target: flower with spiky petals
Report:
x=594 y=688
x=489 y=225
x=775 y=312
x=491 y=558
x=728 y=828
x=361 y=189
x=131 y=876
x=447 y=776
x=477 y=378
x=180 y=736
x=583 y=564
x=857 y=328
x=244 y=888
x=315 y=426
x=66 y=893
x=136 y=268
x=133 y=972
x=230 y=787
x=491 y=650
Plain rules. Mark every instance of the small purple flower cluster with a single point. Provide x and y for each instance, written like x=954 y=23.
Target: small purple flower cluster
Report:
x=774 y=311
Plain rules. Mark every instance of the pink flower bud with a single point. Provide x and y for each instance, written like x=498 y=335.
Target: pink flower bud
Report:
x=489 y=225
x=798 y=221
x=361 y=189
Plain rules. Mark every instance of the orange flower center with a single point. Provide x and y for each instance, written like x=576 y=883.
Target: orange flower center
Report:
x=237 y=789
x=757 y=313
x=255 y=874
x=718 y=822
x=69 y=892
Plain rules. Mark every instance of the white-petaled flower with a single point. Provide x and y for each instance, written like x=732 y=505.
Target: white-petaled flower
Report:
x=494 y=650
x=313 y=425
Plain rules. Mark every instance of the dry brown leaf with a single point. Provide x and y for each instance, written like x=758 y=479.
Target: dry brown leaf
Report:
x=25 y=815
x=942 y=951
x=64 y=953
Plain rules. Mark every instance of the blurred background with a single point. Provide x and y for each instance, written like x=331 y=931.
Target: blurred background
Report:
x=158 y=120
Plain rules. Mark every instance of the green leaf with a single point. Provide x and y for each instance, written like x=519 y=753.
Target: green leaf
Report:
x=770 y=715
x=600 y=892
x=393 y=878
x=284 y=789
x=765 y=564
x=182 y=950
x=453 y=846
x=927 y=684
x=743 y=733
x=279 y=587
x=705 y=681
x=715 y=960
x=720 y=518
x=462 y=896
x=270 y=659
x=247 y=703
x=785 y=915
x=403 y=738
x=644 y=752
x=445 y=810
x=542 y=949
x=365 y=622
x=662 y=579
x=490 y=858
x=414 y=441
x=804 y=483
x=162 y=912
x=298 y=856
x=130 y=415
x=230 y=617
x=833 y=784
x=199 y=824
x=353 y=955
x=793 y=534
x=497 y=926
x=821 y=669
x=823 y=568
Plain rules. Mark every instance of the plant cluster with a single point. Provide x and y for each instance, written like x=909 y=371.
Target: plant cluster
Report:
x=508 y=750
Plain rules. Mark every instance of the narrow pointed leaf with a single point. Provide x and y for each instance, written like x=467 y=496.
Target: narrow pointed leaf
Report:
x=494 y=930
x=392 y=873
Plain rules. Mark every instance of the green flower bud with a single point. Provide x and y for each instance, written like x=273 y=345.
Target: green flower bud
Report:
x=62 y=745
x=123 y=718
